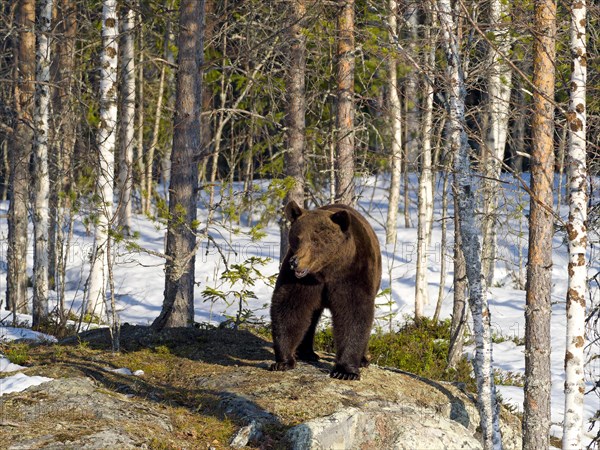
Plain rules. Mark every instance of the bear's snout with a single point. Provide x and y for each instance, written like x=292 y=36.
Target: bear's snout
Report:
x=294 y=266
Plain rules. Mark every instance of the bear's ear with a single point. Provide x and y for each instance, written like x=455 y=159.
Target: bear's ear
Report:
x=293 y=211
x=342 y=218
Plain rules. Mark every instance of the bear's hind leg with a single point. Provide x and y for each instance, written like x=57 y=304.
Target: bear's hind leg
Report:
x=351 y=332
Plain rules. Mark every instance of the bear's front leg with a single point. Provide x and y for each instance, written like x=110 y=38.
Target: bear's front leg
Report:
x=292 y=309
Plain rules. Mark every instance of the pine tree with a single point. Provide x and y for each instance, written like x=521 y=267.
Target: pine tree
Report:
x=178 y=303
x=536 y=414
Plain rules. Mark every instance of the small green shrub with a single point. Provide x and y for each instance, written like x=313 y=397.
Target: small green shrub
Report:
x=17 y=353
x=419 y=347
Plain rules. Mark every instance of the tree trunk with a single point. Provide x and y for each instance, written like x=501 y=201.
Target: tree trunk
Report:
x=411 y=90
x=395 y=114
x=63 y=143
x=465 y=191
x=41 y=181
x=141 y=166
x=536 y=417
x=459 y=307
x=425 y=196
x=178 y=304
x=97 y=281
x=156 y=128
x=296 y=106
x=344 y=162
x=127 y=128
x=499 y=88
x=19 y=153
x=577 y=234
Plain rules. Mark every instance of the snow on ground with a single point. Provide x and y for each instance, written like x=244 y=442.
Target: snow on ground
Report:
x=19 y=381
x=139 y=277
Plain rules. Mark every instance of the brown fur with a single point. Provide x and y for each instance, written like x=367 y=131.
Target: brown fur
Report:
x=333 y=262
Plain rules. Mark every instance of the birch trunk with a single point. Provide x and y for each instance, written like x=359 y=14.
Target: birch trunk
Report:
x=536 y=414
x=296 y=109
x=97 y=282
x=41 y=180
x=499 y=89
x=425 y=197
x=127 y=128
x=577 y=233
x=395 y=111
x=344 y=162
x=465 y=190
x=458 y=325
x=19 y=154
x=178 y=304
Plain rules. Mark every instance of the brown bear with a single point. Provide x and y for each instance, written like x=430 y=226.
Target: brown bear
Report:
x=333 y=262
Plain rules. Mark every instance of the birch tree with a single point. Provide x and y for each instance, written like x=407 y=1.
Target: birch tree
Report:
x=536 y=413
x=425 y=196
x=576 y=233
x=19 y=153
x=498 y=92
x=40 y=161
x=178 y=303
x=465 y=187
x=344 y=144
x=127 y=128
x=97 y=281
x=395 y=109
x=296 y=110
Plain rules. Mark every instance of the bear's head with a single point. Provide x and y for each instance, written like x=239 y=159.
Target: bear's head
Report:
x=317 y=238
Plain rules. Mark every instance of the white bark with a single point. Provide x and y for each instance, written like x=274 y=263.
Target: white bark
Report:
x=499 y=88
x=97 y=282
x=465 y=186
x=577 y=234
x=40 y=158
x=127 y=141
x=396 y=129
x=425 y=199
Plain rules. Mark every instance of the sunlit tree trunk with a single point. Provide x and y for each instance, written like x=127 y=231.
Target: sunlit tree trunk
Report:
x=19 y=153
x=536 y=417
x=127 y=128
x=499 y=89
x=577 y=233
x=97 y=282
x=465 y=187
x=344 y=162
x=178 y=303
x=395 y=123
x=41 y=180
x=296 y=106
x=425 y=196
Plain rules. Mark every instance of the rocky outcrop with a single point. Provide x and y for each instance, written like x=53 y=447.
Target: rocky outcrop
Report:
x=302 y=408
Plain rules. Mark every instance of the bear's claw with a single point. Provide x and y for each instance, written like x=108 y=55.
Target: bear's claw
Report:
x=342 y=375
x=282 y=366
